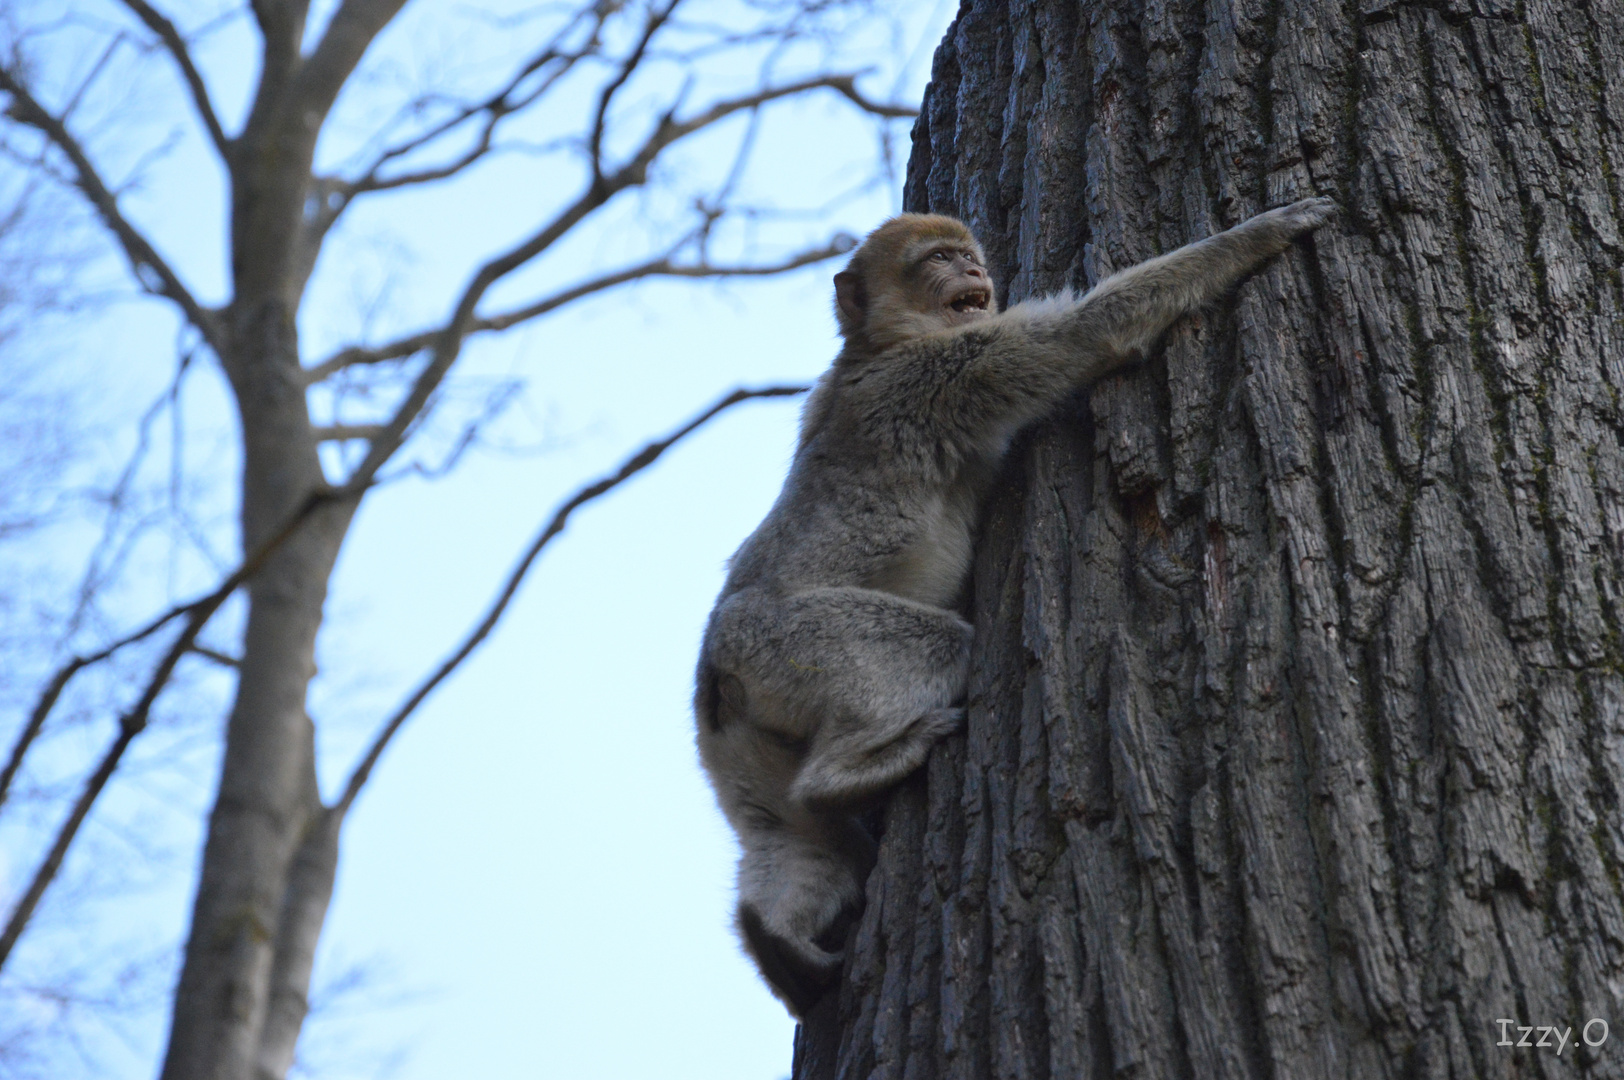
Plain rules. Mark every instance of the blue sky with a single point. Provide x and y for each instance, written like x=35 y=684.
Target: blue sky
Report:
x=536 y=882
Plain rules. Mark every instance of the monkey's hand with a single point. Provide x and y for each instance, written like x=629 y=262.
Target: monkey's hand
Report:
x=1300 y=217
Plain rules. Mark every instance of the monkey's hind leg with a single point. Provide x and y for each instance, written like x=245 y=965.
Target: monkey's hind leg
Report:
x=869 y=680
x=854 y=758
x=900 y=694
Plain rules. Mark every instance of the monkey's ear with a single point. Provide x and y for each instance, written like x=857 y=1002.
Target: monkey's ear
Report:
x=850 y=296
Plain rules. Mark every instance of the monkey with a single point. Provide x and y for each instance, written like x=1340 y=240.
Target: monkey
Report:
x=836 y=655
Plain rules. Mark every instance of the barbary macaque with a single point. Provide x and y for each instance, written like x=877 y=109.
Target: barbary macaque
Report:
x=835 y=657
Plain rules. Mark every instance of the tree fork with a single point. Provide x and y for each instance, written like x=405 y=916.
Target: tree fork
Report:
x=1296 y=720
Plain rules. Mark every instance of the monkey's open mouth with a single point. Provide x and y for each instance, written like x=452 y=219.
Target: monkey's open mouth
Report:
x=970 y=300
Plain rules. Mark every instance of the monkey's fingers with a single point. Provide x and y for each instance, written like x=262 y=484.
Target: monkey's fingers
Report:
x=1306 y=214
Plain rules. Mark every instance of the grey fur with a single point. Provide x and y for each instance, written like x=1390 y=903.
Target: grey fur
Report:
x=833 y=660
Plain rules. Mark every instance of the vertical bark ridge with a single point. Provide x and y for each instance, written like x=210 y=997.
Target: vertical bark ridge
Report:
x=1296 y=722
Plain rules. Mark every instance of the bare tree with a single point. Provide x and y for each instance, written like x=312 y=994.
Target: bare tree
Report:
x=1294 y=722
x=613 y=80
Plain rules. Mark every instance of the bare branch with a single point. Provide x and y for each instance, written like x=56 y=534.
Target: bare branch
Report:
x=661 y=267
x=482 y=146
x=59 y=849
x=223 y=659
x=334 y=194
x=664 y=268
x=133 y=722
x=349 y=33
x=628 y=64
x=633 y=465
x=92 y=75
x=847 y=85
x=59 y=681
x=447 y=343
x=105 y=559
x=502 y=104
x=145 y=262
x=496 y=107
x=176 y=45
x=36 y=721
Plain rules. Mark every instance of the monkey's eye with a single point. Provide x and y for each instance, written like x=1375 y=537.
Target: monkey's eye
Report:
x=940 y=256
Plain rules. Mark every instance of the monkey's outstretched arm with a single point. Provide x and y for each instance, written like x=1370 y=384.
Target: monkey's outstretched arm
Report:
x=1127 y=311
x=1019 y=364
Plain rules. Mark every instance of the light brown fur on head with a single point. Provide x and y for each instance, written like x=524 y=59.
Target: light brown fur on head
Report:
x=890 y=291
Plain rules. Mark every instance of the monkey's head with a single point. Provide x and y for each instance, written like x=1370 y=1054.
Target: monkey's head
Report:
x=914 y=274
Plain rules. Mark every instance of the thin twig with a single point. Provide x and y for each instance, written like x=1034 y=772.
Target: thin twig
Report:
x=144 y=259
x=53 y=861
x=176 y=45
x=661 y=267
x=633 y=465
x=628 y=64
x=848 y=87
x=59 y=681
x=446 y=345
x=496 y=107
x=223 y=659
x=107 y=546
x=92 y=75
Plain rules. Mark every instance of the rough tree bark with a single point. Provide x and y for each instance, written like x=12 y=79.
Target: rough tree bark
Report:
x=1296 y=724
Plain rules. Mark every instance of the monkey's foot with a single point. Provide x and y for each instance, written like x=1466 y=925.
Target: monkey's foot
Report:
x=842 y=775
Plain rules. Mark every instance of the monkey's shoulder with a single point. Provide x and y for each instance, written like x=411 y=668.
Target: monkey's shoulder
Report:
x=862 y=455
x=931 y=358
x=894 y=399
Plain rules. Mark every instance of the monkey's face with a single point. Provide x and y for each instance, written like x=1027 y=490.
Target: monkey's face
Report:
x=950 y=283
x=916 y=274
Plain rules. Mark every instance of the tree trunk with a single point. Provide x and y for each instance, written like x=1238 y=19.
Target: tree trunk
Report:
x=1296 y=722
x=272 y=849
x=271 y=854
